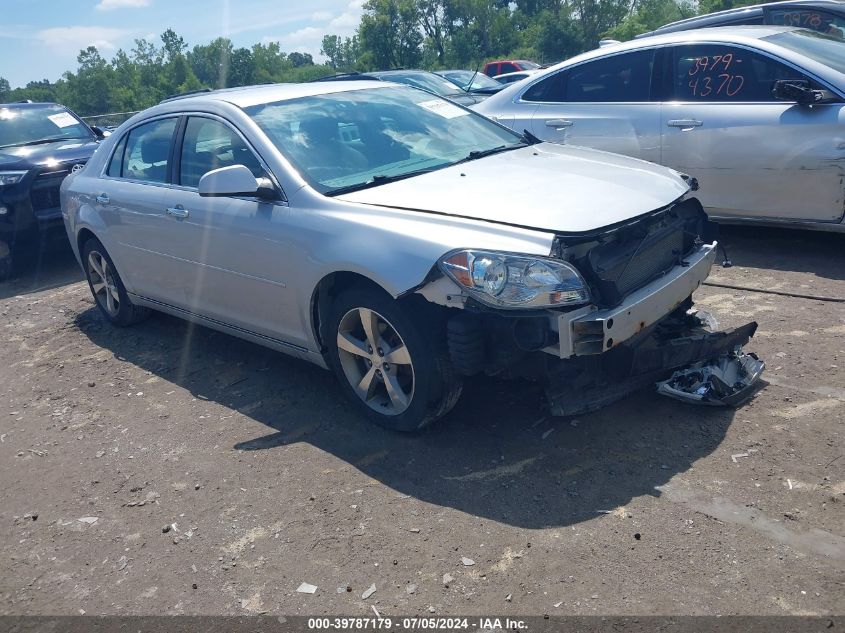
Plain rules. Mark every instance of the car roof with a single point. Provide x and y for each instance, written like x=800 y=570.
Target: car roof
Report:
x=736 y=12
x=246 y=96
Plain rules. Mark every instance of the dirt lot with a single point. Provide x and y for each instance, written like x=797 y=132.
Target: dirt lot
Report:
x=269 y=479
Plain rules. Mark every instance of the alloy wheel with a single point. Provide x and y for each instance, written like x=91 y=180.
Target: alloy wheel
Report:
x=375 y=361
x=103 y=284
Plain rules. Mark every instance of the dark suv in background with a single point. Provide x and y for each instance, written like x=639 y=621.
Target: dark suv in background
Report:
x=40 y=144
x=824 y=16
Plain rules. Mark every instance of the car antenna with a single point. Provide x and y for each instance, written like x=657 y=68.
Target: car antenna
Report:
x=469 y=85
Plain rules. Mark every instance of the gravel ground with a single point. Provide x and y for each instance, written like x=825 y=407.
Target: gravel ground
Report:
x=171 y=469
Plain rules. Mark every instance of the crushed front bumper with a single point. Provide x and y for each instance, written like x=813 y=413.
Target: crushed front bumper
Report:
x=595 y=382
x=589 y=331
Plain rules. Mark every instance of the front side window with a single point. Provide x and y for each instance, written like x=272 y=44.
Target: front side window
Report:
x=507 y=67
x=819 y=21
x=361 y=138
x=724 y=73
x=210 y=144
x=147 y=153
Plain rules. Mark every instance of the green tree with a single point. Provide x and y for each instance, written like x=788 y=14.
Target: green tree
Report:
x=342 y=53
x=5 y=89
x=210 y=62
x=389 y=34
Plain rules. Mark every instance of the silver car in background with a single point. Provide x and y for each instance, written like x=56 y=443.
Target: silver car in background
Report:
x=361 y=226
x=755 y=114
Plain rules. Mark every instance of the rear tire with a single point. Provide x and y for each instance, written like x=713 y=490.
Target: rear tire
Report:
x=107 y=287
x=391 y=361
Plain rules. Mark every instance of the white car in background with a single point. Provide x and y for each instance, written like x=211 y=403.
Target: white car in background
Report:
x=519 y=75
x=755 y=113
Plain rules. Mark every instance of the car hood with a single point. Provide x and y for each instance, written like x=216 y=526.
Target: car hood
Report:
x=545 y=186
x=48 y=154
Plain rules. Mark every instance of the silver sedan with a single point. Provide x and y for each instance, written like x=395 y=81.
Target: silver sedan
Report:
x=755 y=114
x=361 y=226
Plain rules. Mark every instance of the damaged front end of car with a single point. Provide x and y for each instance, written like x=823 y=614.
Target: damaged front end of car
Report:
x=619 y=315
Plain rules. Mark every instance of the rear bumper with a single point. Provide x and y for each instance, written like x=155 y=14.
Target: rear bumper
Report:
x=589 y=331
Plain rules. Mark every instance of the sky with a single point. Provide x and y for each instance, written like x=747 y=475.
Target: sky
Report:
x=40 y=39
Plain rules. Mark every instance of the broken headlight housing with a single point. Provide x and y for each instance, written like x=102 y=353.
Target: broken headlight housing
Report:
x=506 y=280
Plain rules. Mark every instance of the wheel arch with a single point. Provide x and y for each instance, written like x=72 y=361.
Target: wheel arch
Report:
x=328 y=287
x=82 y=237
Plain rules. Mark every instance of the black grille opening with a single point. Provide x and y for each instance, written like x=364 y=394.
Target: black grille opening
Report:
x=45 y=189
x=636 y=255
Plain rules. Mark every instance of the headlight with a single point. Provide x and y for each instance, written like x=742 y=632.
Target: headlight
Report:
x=503 y=280
x=11 y=177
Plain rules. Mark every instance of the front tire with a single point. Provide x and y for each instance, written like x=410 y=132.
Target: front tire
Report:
x=107 y=287
x=390 y=361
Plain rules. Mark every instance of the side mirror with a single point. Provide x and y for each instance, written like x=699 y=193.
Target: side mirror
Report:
x=235 y=180
x=98 y=132
x=797 y=90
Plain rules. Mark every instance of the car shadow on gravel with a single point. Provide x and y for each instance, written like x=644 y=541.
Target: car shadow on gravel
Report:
x=783 y=249
x=41 y=266
x=497 y=455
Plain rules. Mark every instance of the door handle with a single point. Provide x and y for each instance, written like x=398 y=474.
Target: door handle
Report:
x=178 y=212
x=103 y=198
x=559 y=124
x=686 y=124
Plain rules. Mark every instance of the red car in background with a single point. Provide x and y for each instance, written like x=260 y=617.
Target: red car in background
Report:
x=502 y=66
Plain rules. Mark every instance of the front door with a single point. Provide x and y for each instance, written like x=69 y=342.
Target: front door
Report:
x=232 y=252
x=753 y=156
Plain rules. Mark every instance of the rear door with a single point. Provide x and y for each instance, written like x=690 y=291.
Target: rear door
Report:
x=754 y=156
x=604 y=103
x=131 y=200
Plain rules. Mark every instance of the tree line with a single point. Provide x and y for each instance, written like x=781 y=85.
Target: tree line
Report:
x=391 y=34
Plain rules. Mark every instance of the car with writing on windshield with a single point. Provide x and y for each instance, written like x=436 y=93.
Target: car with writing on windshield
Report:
x=40 y=144
x=824 y=16
x=755 y=113
x=361 y=226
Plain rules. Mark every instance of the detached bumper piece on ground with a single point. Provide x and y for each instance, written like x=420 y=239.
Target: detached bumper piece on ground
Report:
x=709 y=367
x=729 y=380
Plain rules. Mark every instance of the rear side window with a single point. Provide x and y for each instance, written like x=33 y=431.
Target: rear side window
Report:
x=820 y=21
x=718 y=73
x=552 y=89
x=623 y=78
x=147 y=152
x=210 y=144
x=116 y=163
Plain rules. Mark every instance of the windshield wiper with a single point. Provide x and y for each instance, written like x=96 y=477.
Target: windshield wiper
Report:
x=41 y=141
x=481 y=153
x=375 y=181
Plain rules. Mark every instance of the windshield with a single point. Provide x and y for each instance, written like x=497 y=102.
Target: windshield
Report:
x=463 y=77
x=427 y=81
x=825 y=49
x=28 y=125
x=366 y=137
x=526 y=65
